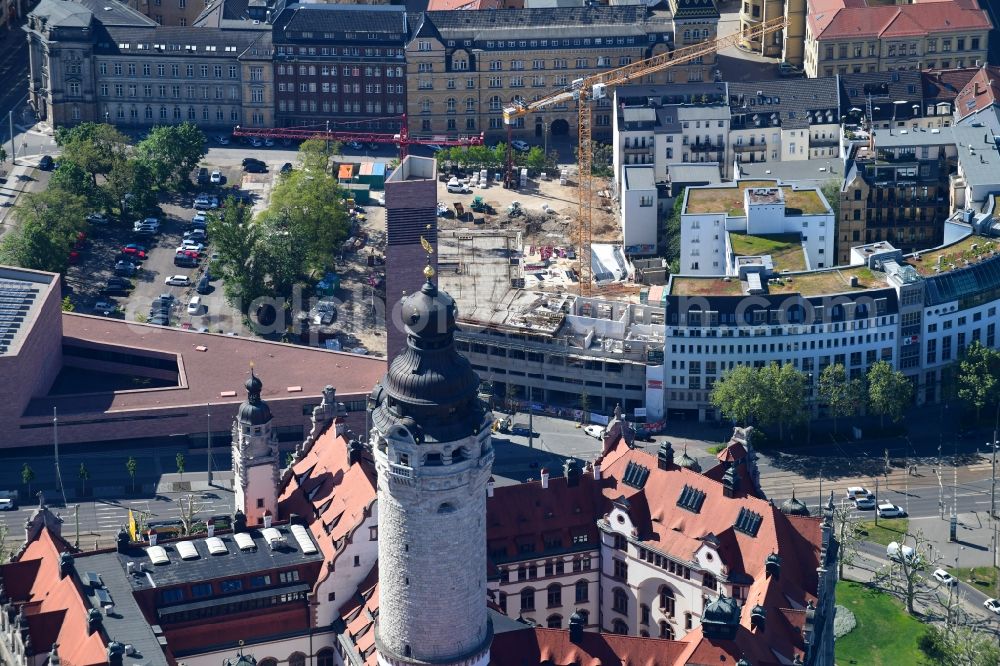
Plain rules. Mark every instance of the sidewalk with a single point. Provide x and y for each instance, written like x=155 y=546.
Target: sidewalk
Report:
x=18 y=179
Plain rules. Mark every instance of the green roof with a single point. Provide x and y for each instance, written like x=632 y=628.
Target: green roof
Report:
x=729 y=200
x=785 y=249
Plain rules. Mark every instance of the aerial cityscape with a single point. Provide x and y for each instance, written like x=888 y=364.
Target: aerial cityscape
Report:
x=499 y=332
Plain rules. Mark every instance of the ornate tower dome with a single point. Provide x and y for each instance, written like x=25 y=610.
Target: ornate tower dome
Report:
x=431 y=443
x=793 y=507
x=255 y=456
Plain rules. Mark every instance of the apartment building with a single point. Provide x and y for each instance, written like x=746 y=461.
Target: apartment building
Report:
x=115 y=65
x=172 y=12
x=784 y=120
x=342 y=64
x=755 y=225
x=978 y=101
x=465 y=66
x=897 y=99
x=854 y=37
x=661 y=125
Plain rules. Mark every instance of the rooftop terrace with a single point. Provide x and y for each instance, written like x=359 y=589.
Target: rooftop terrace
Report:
x=785 y=249
x=811 y=283
x=729 y=200
x=970 y=250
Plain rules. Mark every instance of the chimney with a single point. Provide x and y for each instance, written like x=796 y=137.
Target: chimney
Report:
x=152 y=536
x=597 y=469
x=571 y=469
x=123 y=540
x=576 y=628
x=489 y=487
x=239 y=522
x=354 y=451
x=65 y=565
x=665 y=456
x=267 y=519
x=94 y=621
x=116 y=653
x=545 y=478
x=210 y=525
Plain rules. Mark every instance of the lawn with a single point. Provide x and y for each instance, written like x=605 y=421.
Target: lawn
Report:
x=888 y=530
x=785 y=249
x=885 y=634
x=983 y=579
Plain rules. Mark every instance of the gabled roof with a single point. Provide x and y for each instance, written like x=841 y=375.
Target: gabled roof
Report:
x=331 y=495
x=54 y=606
x=60 y=13
x=982 y=91
x=845 y=19
x=944 y=84
x=358 y=618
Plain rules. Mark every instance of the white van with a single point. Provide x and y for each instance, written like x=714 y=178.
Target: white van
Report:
x=898 y=553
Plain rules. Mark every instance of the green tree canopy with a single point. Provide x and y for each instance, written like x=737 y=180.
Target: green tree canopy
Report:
x=93 y=146
x=734 y=394
x=313 y=207
x=889 y=391
x=48 y=223
x=842 y=395
x=977 y=376
x=783 y=390
x=71 y=177
x=315 y=154
x=171 y=152
x=236 y=237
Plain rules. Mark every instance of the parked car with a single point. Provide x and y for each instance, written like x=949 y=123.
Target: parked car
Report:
x=434 y=148
x=900 y=553
x=105 y=306
x=889 y=510
x=186 y=252
x=134 y=251
x=255 y=167
x=204 y=285
x=117 y=285
x=7 y=504
x=193 y=246
x=286 y=167
x=125 y=268
x=194 y=305
x=520 y=146
x=595 y=431
x=183 y=261
x=147 y=223
x=788 y=70
x=854 y=492
x=268 y=143
x=222 y=141
x=255 y=142
x=195 y=235
x=73 y=258
x=216 y=177
x=521 y=429
x=199 y=218
x=354 y=145
x=455 y=186
x=202 y=176
x=251 y=160
x=98 y=218
x=46 y=163
x=944 y=577
x=178 y=281
x=159 y=320
x=992 y=605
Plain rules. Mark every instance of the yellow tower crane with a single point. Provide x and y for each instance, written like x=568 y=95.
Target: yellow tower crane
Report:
x=595 y=87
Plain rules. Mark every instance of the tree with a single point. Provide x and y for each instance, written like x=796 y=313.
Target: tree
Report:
x=781 y=396
x=734 y=394
x=889 y=391
x=281 y=256
x=236 y=238
x=313 y=207
x=94 y=147
x=510 y=395
x=315 y=154
x=179 y=458
x=128 y=186
x=584 y=407
x=904 y=576
x=831 y=190
x=84 y=475
x=171 y=152
x=534 y=159
x=602 y=156
x=189 y=512
x=27 y=476
x=977 y=376
x=290 y=459
x=48 y=223
x=673 y=234
x=848 y=538
x=5 y=550
x=131 y=465
x=843 y=396
x=67 y=304
x=959 y=646
x=73 y=178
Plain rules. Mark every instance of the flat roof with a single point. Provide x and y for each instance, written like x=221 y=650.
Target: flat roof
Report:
x=22 y=293
x=208 y=366
x=690 y=172
x=810 y=283
x=785 y=250
x=954 y=256
x=909 y=137
x=235 y=562
x=810 y=172
x=728 y=199
x=639 y=178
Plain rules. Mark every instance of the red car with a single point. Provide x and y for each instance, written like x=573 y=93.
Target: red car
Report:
x=186 y=253
x=74 y=257
x=139 y=254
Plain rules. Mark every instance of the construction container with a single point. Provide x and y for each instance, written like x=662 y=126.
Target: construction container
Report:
x=373 y=173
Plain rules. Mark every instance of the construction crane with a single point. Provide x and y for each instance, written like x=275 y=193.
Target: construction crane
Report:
x=595 y=87
x=403 y=138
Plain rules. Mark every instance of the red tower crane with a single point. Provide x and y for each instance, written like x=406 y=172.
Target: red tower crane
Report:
x=403 y=138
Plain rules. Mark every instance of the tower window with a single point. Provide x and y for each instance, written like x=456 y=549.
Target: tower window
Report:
x=446 y=507
x=260 y=502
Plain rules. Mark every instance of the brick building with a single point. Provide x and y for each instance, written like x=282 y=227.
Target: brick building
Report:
x=340 y=63
x=465 y=66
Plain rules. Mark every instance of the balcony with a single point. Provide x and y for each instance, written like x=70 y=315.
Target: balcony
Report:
x=643 y=148
x=749 y=147
x=705 y=147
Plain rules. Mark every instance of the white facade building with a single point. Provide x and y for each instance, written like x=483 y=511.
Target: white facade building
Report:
x=639 y=217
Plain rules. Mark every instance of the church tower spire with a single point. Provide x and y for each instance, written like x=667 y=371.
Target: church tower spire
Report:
x=255 y=456
x=432 y=450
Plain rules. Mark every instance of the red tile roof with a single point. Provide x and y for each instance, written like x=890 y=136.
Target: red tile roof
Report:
x=331 y=495
x=533 y=645
x=840 y=19
x=945 y=84
x=55 y=607
x=982 y=91
x=359 y=615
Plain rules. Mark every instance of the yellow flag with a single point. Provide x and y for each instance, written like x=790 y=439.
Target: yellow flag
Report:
x=428 y=248
x=132 y=526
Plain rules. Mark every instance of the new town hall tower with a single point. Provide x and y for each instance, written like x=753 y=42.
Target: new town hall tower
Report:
x=431 y=441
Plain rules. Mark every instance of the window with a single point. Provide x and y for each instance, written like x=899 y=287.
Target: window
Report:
x=297 y=659
x=620 y=569
x=201 y=590
x=231 y=586
x=619 y=627
x=554 y=622
x=582 y=591
x=171 y=596
x=260 y=581
x=666 y=631
x=667 y=602
x=554 y=595
x=528 y=599
x=325 y=657
x=619 y=601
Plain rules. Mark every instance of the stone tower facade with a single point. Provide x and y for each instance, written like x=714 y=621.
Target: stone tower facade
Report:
x=256 y=466
x=433 y=453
